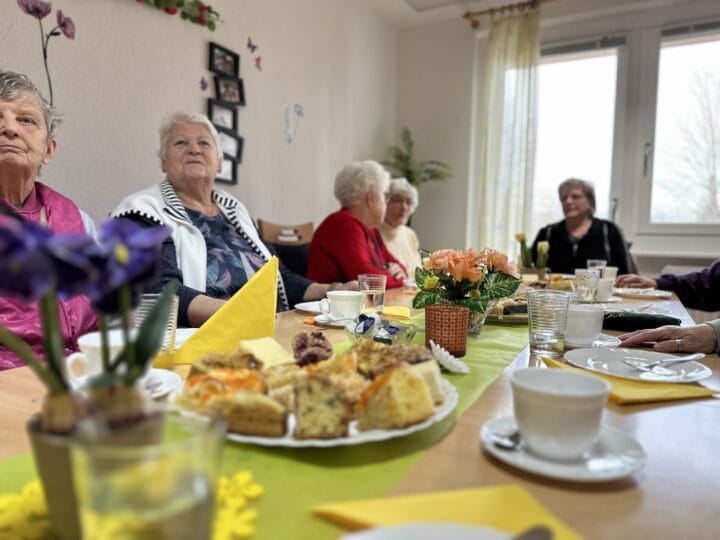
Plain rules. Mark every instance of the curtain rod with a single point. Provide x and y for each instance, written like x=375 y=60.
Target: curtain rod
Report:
x=473 y=15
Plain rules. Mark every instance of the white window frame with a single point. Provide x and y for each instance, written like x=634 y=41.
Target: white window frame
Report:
x=636 y=96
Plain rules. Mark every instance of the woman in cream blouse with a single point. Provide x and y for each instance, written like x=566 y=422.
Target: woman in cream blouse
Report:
x=400 y=239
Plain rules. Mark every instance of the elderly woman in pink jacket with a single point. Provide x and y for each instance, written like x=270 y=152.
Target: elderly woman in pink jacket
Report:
x=27 y=142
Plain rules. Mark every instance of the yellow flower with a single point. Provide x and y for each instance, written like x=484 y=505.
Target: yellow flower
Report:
x=543 y=247
x=520 y=237
x=431 y=282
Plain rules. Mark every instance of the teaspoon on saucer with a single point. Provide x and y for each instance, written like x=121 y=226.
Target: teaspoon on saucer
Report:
x=511 y=441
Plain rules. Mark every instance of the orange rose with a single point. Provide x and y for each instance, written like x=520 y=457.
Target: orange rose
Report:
x=498 y=262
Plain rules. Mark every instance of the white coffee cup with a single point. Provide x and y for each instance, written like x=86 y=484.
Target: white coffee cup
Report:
x=342 y=305
x=604 y=289
x=558 y=412
x=584 y=324
x=610 y=272
x=90 y=357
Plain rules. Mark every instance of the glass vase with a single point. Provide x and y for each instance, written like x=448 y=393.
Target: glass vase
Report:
x=476 y=319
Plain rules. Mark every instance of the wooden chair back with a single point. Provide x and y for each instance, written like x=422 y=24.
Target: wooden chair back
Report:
x=286 y=235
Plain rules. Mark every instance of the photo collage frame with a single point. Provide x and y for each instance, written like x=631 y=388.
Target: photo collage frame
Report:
x=222 y=111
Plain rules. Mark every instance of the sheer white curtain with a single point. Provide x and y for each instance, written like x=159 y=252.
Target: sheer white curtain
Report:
x=507 y=133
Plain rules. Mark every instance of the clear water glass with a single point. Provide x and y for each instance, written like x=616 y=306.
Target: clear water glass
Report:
x=156 y=479
x=547 y=318
x=373 y=287
x=586 y=284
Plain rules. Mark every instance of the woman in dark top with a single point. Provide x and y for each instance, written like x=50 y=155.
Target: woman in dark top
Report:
x=580 y=236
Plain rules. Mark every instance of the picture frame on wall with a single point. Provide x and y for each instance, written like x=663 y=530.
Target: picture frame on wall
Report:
x=231 y=144
x=228 y=171
x=229 y=90
x=223 y=61
x=222 y=115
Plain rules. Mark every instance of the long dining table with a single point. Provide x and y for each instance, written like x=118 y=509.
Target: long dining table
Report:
x=674 y=496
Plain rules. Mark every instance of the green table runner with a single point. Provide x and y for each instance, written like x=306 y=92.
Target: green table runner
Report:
x=297 y=479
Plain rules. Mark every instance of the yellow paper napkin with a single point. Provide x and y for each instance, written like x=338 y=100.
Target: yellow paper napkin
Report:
x=250 y=313
x=508 y=508
x=626 y=391
x=396 y=312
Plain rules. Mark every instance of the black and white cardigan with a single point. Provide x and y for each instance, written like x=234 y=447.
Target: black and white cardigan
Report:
x=161 y=205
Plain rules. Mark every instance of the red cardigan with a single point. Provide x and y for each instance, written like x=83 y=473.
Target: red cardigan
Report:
x=342 y=247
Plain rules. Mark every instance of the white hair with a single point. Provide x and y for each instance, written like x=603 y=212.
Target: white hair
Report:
x=400 y=186
x=186 y=118
x=16 y=85
x=357 y=179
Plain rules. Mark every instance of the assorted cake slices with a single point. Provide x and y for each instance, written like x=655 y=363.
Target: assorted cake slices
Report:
x=376 y=385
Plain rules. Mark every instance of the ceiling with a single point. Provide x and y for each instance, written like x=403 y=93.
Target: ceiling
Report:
x=407 y=13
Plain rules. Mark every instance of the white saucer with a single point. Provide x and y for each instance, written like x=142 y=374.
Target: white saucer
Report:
x=603 y=340
x=160 y=382
x=310 y=307
x=325 y=320
x=615 y=455
x=610 y=362
x=428 y=531
x=610 y=300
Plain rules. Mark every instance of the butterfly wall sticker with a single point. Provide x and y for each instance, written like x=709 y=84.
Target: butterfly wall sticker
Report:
x=251 y=46
x=203 y=84
x=257 y=62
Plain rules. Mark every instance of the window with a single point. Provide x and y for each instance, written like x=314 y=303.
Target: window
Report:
x=576 y=111
x=687 y=132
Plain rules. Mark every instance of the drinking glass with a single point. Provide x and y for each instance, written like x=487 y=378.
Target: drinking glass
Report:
x=155 y=479
x=547 y=317
x=586 y=283
x=163 y=359
x=373 y=286
x=596 y=263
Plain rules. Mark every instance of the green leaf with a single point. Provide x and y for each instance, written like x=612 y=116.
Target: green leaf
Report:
x=500 y=285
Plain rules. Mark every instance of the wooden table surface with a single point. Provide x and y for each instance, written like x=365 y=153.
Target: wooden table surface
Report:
x=675 y=496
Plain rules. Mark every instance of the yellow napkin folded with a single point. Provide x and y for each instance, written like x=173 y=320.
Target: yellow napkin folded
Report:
x=396 y=312
x=507 y=508
x=250 y=313
x=626 y=391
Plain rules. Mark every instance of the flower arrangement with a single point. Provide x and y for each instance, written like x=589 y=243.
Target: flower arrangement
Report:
x=194 y=11
x=469 y=278
x=65 y=26
x=543 y=249
x=37 y=265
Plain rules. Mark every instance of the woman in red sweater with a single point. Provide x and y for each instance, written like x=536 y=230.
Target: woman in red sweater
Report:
x=348 y=243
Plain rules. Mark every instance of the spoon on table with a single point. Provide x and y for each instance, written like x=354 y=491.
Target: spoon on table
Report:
x=510 y=441
x=664 y=362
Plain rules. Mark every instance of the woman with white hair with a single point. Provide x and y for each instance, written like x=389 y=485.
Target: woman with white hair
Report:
x=347 y=243
x=214 y=248
x=400 y=239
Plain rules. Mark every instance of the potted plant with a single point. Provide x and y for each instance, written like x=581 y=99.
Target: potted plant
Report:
x=471 y=279
x=540 y=264
x=38 y=265
x=404 y=164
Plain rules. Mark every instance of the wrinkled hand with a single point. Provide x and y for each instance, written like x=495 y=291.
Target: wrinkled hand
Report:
x=349 y=286
x=633 y=280
x=700 y=338
x=396 y=271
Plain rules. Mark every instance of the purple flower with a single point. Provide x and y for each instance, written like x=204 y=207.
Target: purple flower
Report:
x=25 y=270
x=133 y=254
x=35 y=8
x=66 y=24
x=32 y=260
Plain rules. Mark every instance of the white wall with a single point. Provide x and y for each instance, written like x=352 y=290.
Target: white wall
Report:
x=130 y=65
x=435 y=82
